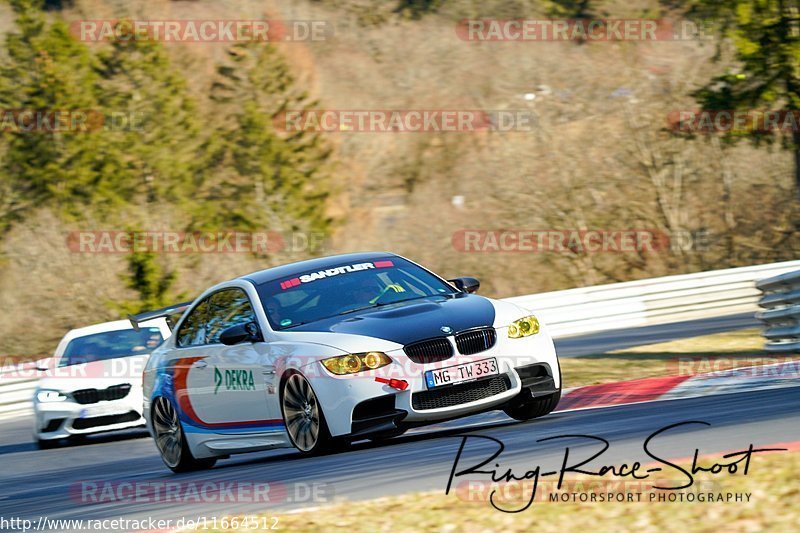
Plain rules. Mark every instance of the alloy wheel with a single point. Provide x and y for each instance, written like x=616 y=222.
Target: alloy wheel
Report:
x=169 y=437
x=301 y=413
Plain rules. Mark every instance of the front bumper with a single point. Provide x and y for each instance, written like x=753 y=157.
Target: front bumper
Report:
x=358 y=406
x=58 y=420
x=382 y=414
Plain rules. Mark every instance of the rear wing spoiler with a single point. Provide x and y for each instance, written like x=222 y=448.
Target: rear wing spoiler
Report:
x=164 y=312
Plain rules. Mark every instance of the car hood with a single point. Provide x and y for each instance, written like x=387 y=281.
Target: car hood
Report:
x=411 y=321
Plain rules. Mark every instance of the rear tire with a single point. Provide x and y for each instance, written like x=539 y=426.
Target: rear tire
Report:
x=533 y=408
x=171 y=440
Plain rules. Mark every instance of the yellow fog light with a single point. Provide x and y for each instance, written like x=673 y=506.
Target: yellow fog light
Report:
x=524 y=327
x=356 y=362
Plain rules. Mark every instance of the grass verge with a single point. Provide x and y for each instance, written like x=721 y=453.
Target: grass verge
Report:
x=772 y=482
x=708 y=353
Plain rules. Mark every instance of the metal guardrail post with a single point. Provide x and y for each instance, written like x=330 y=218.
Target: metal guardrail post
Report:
x=781 y=314
x=652 y=301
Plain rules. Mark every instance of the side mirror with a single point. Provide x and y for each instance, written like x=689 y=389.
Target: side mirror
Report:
x=469 y=285
x=240 y=333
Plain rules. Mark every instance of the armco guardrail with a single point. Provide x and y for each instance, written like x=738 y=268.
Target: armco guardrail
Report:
x=781 y=315
x=652 y=301
x=571 y=312
x=17 y=384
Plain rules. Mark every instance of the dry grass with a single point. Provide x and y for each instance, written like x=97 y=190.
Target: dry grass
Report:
x=46 y=289
x=708 y=353
x=773 y=483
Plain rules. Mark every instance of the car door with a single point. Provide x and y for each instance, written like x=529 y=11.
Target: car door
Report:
x=191 y=380
x=232 y=391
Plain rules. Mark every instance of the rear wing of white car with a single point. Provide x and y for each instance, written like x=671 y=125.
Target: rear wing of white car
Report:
x=168 y=312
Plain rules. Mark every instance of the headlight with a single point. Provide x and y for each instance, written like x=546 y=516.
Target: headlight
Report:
x=46 y=396
x=356 y=362
x=523 y=327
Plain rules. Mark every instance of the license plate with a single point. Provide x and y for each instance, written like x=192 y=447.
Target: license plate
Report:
x=461 y=373
x=101 y=411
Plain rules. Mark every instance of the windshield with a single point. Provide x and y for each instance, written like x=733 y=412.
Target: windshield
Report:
x=110 y=345
x=347 y=288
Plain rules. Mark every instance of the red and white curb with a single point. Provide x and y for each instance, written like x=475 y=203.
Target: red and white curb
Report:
x=744 y=379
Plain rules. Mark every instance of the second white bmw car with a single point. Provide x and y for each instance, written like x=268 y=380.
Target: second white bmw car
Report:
x=332 y=350
x=95 y=381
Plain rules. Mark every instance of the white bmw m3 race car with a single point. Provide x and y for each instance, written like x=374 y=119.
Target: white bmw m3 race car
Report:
x=95 y=381
x=332 y=350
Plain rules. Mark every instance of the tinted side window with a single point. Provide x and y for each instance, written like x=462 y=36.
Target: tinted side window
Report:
x=229 y=307
x=193 y=329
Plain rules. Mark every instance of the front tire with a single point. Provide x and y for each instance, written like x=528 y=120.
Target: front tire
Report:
x=533 y=408
x=171 y=440
x=47 y=444
x=302 y=414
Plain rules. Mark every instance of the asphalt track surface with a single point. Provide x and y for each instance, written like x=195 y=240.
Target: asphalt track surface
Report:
x=39 y=483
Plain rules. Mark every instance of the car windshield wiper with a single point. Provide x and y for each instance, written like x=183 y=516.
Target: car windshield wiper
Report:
x=362 y=308
x=290 y=326
x=379 y=304
x=371 y=306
